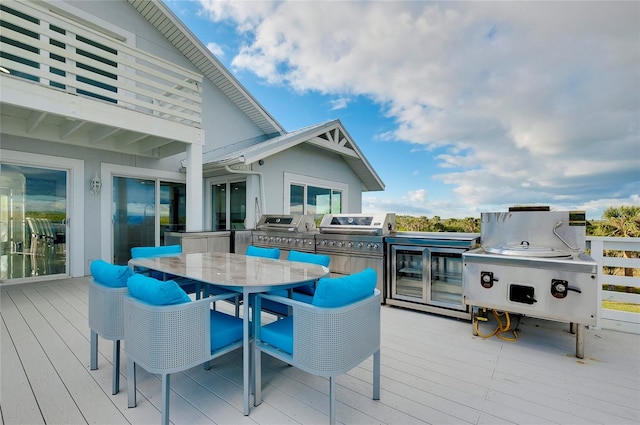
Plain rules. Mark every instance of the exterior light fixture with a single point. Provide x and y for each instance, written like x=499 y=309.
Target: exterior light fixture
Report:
x=96 y=184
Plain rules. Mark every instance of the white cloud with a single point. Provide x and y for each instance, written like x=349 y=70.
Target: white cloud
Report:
x=340 y=103
x=534 y=101
x=216 y=49
x=418 y=196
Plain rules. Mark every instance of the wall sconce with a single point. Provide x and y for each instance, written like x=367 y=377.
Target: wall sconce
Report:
x=95 y=185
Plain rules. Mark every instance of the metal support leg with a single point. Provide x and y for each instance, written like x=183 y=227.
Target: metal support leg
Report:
x=332 y=400
x=94 y=350
x=131 y=383
x=246 y=355
x=165 y=399
x=116 y=367
x=376 y=375
x=580 y=341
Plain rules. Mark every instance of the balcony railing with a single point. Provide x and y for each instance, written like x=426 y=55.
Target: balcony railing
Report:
x=619 y=270
x=55 y=50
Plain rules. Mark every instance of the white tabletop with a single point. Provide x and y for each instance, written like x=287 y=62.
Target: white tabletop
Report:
x=235 y=271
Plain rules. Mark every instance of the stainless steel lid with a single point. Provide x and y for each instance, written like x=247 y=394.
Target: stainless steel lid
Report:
x=287 y=222
x=377 y=224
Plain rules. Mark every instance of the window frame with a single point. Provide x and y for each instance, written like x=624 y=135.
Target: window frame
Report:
x=228 y=181
x=306 y=181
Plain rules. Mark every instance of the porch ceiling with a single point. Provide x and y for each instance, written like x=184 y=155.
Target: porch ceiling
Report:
x=46 y=114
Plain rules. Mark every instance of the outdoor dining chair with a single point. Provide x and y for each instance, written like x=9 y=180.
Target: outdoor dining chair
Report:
x=188 y=285
x=332 y=335
x=106 y=311
x=302 y=293
x=166 y=332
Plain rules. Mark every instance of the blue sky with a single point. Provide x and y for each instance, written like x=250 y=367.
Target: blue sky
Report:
x=461 y=107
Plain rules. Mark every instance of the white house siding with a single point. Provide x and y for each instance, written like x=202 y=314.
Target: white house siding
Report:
x=308 y=161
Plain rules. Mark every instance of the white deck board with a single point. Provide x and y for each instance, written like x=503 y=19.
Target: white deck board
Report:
x=434 y=371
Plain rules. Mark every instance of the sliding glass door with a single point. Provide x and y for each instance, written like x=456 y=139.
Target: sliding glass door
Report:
x=33 y=221
x=143 y=209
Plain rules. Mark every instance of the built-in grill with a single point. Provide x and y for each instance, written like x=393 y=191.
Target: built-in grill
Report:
x=355 y=242
x=287 y=232
x=533 y=262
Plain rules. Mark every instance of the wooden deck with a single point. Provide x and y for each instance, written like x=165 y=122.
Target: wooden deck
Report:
x=433 y=371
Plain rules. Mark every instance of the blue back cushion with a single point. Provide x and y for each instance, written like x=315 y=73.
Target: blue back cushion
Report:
x=155 y=251
x=336 y=292
x=109 y=274
x=305 y=257
x=256 y=251
x=156 y=292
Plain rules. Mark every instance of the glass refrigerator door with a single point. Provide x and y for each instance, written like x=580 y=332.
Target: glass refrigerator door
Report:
x=410 y=271
x=445 y=287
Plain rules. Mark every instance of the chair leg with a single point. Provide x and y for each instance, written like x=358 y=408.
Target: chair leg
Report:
x=332 y=400
x=257 y=372
x=165 y=399
x=94 y=350
x=376 y=375
x=131 y=383
x=116 y=367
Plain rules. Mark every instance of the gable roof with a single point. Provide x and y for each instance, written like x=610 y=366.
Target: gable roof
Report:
x=170 y=26
x=330 y=135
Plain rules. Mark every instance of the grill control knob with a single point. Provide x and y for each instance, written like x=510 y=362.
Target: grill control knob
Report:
x=487 y=279
x=360 y=245
x=349 y=244
x=332 y=243
x=559 y=288
x=340 y=244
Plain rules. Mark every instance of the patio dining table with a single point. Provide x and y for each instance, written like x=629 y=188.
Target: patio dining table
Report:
x=239 y=273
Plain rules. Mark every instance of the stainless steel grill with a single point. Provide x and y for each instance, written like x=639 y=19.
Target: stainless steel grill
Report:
x=533 y=263
x=287 y=232
x=355 y=242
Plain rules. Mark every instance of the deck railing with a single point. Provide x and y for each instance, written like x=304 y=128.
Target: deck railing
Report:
x=61 y=52
x=619 y=272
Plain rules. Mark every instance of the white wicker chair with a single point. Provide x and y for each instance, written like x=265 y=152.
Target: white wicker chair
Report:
x=326 y=341
x=106 y=312
x=173 y=338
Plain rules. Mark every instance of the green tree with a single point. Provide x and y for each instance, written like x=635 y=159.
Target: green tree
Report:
x=623 y=221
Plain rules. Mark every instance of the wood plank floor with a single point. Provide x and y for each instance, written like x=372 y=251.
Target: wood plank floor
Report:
x=434 y=371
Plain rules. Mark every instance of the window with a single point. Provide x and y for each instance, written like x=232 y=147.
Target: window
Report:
x=309 y=195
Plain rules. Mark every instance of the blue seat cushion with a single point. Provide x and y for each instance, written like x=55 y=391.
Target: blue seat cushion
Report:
x=225 y=330
x=336 y=292
x=279 y=334
x=306 y=257
x=155 y=251
x=256 y=251
x=156 y=292
x=109 y=274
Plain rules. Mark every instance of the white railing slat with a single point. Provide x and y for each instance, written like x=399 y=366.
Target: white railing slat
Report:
x=144 y=82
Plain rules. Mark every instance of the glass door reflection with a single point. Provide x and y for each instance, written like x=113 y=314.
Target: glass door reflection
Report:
x=33 y=222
